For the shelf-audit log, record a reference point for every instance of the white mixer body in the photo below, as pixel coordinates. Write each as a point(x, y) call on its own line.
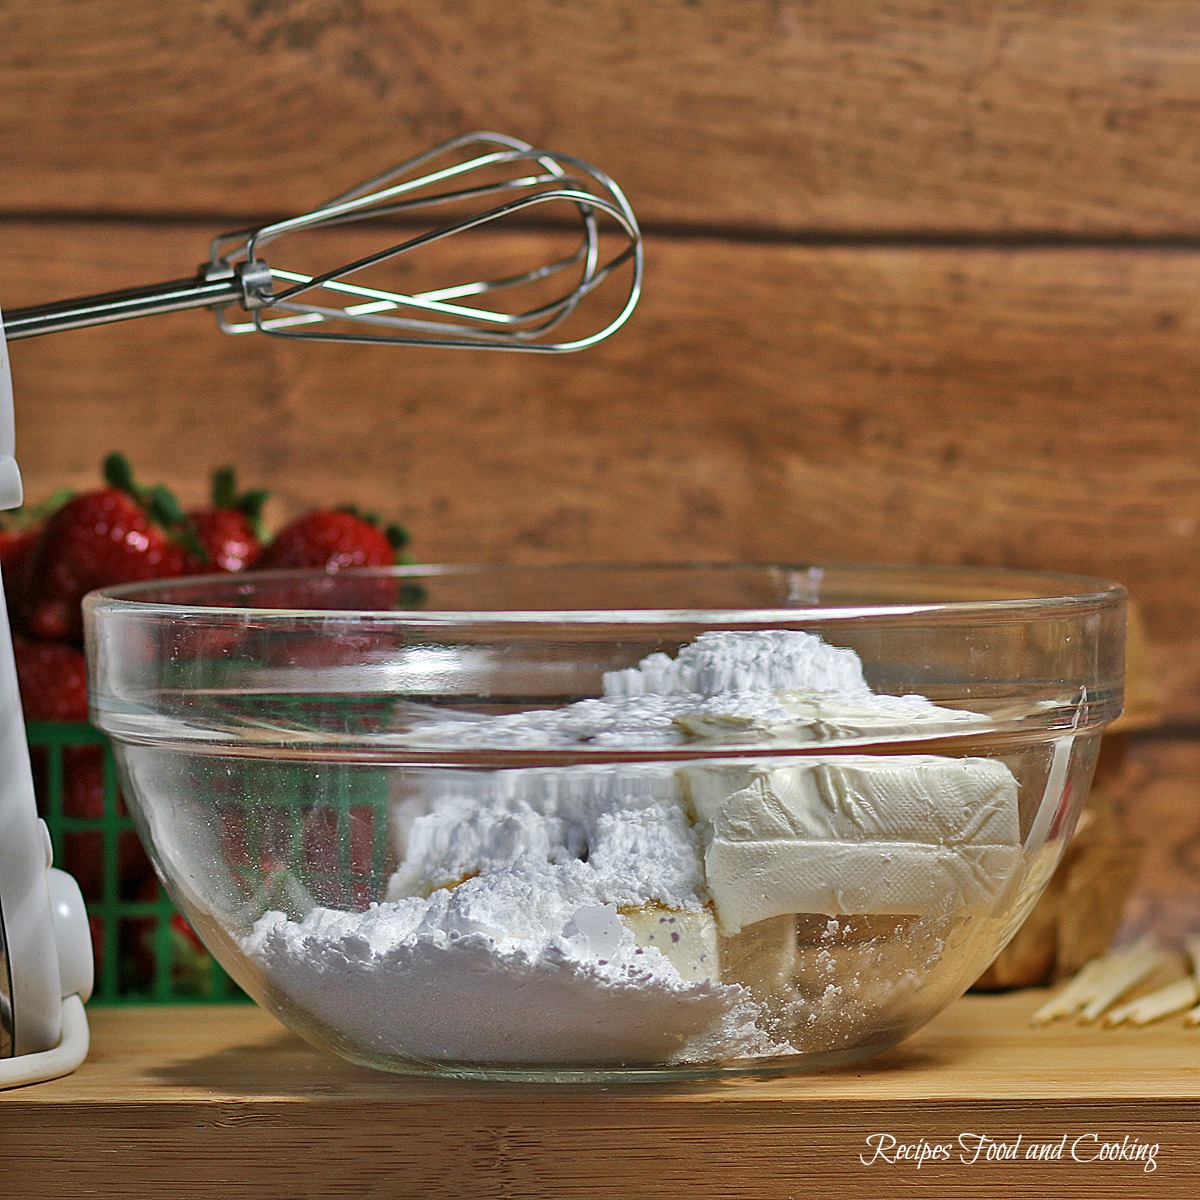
point(45, 948)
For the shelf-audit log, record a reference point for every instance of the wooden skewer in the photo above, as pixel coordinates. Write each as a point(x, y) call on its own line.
point(1140, 961)
point(1072, 997)
point(1173, 998)
point(1193, 949)
point(1102, 981)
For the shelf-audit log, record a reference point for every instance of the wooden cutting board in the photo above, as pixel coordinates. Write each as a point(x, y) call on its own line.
point(223, 1102)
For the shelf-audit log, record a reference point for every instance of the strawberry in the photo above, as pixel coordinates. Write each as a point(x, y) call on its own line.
point(96, 929)
point(15, 545)
point(336, 539)
point(19, 532)
point(85, 804)
point(116, 534)
point(188, 963)
point(333, 539)
point(191, 966)
point(230, 532)
point(83, 852)
point(52, 678)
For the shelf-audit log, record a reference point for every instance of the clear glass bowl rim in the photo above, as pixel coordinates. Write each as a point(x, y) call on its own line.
point(1061, 594)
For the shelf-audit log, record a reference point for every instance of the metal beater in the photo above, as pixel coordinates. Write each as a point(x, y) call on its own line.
point(464, 177)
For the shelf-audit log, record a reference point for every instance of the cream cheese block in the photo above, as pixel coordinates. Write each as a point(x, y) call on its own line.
point(855, 834)
point(807, 716)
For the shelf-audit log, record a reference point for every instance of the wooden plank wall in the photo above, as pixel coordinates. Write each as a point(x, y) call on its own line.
point(923, 285)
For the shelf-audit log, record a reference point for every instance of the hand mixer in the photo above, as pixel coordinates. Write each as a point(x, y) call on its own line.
point(473, 181)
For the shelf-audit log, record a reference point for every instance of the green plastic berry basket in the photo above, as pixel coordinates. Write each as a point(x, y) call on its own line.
point(144, 951)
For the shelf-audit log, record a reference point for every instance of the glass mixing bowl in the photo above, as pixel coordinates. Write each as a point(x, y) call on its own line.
point(606, 823)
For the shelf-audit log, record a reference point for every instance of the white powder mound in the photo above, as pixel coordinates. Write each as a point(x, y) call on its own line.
point(502, 940)
point(628, 822)
point(647, 721)
point(525, 966)
point(718, 663)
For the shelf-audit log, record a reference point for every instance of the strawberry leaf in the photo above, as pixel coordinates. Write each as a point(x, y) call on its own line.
point(412, 594)
point(161, 504)
point(224, 488)
point(119, 474)
point(250, 504)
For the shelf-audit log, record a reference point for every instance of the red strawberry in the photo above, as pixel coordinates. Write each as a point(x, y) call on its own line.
point(191, 965)
point(15, 550)
point(229, 542)
point(52, 678)
point(15, 544)
point(83, 799)
point(333, 539)
point(19, 532)
point(230, 533)
point(83, 783)
point(188, 963)
point(137, 941)
point(84, 802)
point(96, 928)
point(115, 534)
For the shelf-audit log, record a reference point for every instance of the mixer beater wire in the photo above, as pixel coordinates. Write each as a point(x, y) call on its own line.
point(476, 179)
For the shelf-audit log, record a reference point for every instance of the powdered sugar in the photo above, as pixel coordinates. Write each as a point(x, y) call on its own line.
point(628, 822)
point(721, 662)
point(526, 965)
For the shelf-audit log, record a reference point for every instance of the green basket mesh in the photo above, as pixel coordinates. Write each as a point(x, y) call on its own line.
point(144, 950)
point(327, 830)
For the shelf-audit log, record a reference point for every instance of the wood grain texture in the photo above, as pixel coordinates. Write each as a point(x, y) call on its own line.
point(201, 1102)
point(1158, 791)
point(1029, 408)
point(992, 116)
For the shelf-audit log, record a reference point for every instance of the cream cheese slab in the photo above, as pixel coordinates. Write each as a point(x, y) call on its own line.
point(806, 716)
point(855, 834)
